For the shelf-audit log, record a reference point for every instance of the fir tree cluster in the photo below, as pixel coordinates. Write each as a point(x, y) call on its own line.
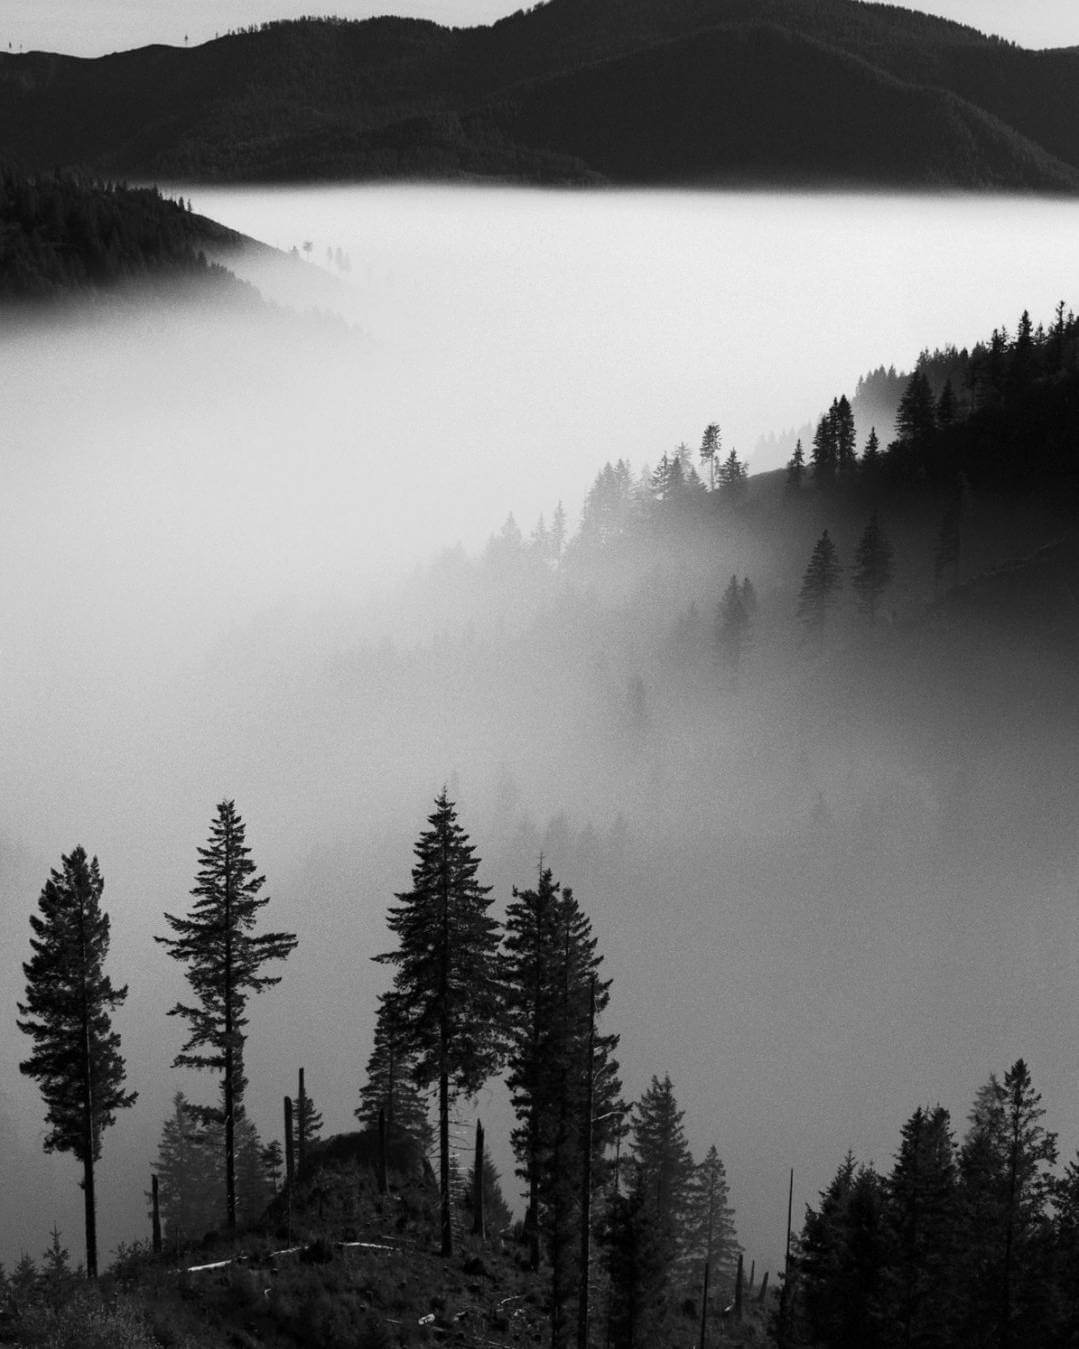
point(960, 1244)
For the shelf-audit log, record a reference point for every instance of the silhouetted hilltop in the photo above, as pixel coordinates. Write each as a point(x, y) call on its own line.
point(696, 90)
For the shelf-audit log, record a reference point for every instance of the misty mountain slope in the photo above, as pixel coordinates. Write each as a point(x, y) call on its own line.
point(62, 237)
point(389, 98)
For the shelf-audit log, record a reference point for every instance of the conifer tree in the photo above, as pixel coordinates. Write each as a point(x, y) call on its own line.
point(710, 1236)
point(946, 411)
point(307, 1123)
point(70, 999)
point(711, 444)
point(872, 568)
point(661, 1161)
point(921, 1227)
point(497, 1212)
point(389, 1087)
point(552, 966)
point(447, 985)
point(796, 469)
point(189, 1173)
point(273, 1164)
point(824, 454)
point(846, 455)
point(224, 961)
point(732, 628)
point(638, 1269)
point(1004, 1188)
point(732, 476)
point(748, 596)
point(842, 1260)
point(820, 585)
point(869, 465)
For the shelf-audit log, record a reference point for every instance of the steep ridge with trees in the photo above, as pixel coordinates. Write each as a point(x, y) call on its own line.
point(696, 91)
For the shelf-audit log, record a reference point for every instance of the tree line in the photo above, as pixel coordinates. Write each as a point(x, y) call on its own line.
point(470, 998)
point(962, 1243)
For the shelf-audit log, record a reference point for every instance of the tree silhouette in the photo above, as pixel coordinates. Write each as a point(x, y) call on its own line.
point(224, 961)
point(76, 1056)
point(447, 987)
point(872, 568)
point(819, 589)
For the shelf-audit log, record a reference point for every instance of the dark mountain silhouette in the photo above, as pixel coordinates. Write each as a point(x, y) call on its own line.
point(632, 91)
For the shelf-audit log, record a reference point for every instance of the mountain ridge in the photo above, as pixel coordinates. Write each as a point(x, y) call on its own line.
point(873, 95)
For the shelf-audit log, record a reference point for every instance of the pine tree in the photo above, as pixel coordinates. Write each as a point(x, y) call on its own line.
point(661, 1161)
point(824, 455)
point(224, 961)
point(841, 1262)
point(869, 465)
point(921, 1224)
point(552, 967)
point(447, 986)
point(748, 596)
point(307, 1122)
point(732, 476)
point(711, 445)
point(189, 1173)
point(846, 455)
point(732, 628)
point(796, 469)
point(946, 410)
point(872, 568)
point(1004, 1188)
point(710, 1236)
point(69, 1001)
point(389, 1087)
point(819, 589)
point(496, 1210)
point(638, 1268)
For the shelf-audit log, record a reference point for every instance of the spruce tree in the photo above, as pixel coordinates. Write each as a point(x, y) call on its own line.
point(638, 1265)
point(820, 585)
point(224, 960)
point(189, 1173)
point(69, 1003)
point(732, 476)
point(732, 628)
point(552, 966)
point(710, 448)
point(870, 462)
point(846, 455)
point(661, 1161)
point(824, 455)
point(921, 1218)
point(872, 568)
point(710, 1236)
point(447, 985)
point(389, 1088)
point(1004, 1188)
point(796, 469)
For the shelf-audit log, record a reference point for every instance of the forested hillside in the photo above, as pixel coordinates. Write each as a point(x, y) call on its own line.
point(699, 91)
point(67, 236)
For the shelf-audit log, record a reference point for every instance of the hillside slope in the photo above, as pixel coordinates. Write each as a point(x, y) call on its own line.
point(631, 90)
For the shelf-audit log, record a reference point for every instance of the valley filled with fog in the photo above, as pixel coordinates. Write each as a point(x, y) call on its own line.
point(244, 554)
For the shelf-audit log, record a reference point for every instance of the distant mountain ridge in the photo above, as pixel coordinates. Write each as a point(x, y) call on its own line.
point(627, 91)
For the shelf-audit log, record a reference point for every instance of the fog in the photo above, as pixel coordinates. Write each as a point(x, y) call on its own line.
point(222, 574)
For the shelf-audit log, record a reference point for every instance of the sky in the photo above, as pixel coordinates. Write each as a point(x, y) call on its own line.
point(93, 27)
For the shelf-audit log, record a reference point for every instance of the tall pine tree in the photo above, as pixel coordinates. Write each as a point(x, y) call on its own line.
point(447, 984)
point(552, 966)
point(224, 960)
point(820, 586)
point(69, 1003)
